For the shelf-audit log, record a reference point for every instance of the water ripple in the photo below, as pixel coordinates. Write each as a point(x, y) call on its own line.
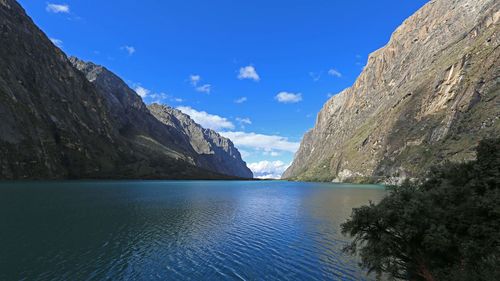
point(177, 231)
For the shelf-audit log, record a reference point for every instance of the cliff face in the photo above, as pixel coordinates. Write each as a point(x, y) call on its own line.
point(428, 96)
point(215, 151)
point(56, 124)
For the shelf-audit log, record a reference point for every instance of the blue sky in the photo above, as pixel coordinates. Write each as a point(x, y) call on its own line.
point(256, 71)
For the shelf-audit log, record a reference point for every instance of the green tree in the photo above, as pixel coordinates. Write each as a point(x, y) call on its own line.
point(446, 227)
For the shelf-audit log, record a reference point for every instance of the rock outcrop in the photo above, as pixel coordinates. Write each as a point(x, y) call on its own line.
point(428, 96)
point(215, 151)
point(60, 121)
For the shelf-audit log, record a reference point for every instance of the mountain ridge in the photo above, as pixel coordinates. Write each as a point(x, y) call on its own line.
point(61, 123)
point(214, 149)
point(209, 151)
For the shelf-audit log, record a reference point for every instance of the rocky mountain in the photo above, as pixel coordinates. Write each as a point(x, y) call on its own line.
point(428, 96)
point(206, 148)
point(216, 152)
point(63, 118)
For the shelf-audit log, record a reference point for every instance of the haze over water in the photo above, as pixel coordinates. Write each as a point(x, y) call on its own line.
point(189, 230)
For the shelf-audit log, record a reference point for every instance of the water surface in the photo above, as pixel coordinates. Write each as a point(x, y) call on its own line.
point(178, 230)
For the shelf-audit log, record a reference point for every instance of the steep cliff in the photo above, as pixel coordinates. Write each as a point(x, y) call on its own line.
point(56, 124)
point(428, 96)
point(216, 152)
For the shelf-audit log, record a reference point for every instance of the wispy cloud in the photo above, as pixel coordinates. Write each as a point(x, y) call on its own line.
point(286, 97)
point(206, 120)
point(316, 76)
point(57, 8)
point(129, 49)
point(244, 120)
point(149, 96)
point(248, 72)
point(335, 73)
point(158, 97)
point(57, 42)
point(194, 80)
point(241, 100)
point(142, 92)
point(268, 169)
point(262, 142)
point(206, 88)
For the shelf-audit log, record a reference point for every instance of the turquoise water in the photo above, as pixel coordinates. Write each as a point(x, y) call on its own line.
point(178, 230)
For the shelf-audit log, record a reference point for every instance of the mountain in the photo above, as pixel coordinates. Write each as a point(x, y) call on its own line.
point(170, 127)
point(427, 97)
point(63, 118)
point(216, 152)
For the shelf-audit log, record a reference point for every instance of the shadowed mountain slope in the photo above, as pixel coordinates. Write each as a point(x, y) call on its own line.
point(56, 124)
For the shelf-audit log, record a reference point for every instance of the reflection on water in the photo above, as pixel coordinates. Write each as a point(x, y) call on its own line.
point(157, 230)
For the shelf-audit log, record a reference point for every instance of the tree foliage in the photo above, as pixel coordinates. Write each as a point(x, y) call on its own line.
point(446, 227)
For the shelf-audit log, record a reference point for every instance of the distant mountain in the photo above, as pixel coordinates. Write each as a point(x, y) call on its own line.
point(205, 147)
point(216, 152)
point(428, 96)
point(63, 118)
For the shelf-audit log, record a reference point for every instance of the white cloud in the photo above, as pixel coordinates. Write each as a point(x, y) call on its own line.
point(271, 153)
point(261, 142)
point(204, 88)
point(149, 96)
point(268, 169)
point(57, 8)
point(158, 97)
point(248, 72)
point(129, 49)
point(142, 92)
point(206, 120)
point(194, 79)
point(286, 97)
point(335, 73)
point(241, 100)
point(244, 120)
point(57, 42)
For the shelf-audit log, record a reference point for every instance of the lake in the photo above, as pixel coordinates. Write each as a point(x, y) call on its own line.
point(178, 230)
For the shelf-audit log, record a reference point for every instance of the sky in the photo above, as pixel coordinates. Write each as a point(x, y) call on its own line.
point(257, 71)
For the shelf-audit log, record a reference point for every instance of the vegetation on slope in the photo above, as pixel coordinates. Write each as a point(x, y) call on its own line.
point(446, 227)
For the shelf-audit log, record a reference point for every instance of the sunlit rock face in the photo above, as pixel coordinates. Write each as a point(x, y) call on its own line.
point(428, 96)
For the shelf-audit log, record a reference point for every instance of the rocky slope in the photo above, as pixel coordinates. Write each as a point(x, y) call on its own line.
point(57, 124)
point(216, 152)
point(169, 126)
point(428, 96)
